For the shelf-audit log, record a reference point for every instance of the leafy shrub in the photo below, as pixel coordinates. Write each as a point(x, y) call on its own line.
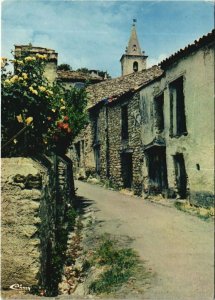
point(51, 114)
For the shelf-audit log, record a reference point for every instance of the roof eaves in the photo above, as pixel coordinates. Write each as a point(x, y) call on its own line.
point(204, 40)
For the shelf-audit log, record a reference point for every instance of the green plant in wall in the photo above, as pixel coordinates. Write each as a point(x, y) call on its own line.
point(49, 115)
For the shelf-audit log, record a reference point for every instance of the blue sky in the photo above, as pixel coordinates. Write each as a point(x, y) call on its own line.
point(94, 34)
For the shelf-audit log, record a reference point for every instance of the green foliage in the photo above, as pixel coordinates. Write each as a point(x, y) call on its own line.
point(52, 114)
point(71, 216)
point(64, 67)
point(83, 70)
point(100, 73)
point(120, 264)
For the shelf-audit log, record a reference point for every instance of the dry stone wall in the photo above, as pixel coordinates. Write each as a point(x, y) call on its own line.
point(35, 198)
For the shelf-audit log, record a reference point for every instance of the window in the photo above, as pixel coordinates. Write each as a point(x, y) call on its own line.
point(135, 66)
point(177, 108)
point(124, 112)
point(158, 113)
point(134, 47)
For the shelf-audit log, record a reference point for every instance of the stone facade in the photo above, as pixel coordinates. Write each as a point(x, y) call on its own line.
point(110, 146)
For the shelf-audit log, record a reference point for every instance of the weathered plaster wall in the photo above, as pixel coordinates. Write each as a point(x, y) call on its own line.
point(197, 146)
point(50, 71)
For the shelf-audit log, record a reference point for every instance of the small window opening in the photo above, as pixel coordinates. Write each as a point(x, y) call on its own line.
point(124, 116)
point(180, 175)
point(158, 113)
point(135, 66)
point(198, 167)
point(177, 108)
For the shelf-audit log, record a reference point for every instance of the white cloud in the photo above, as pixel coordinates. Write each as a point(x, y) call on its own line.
point(155, 61)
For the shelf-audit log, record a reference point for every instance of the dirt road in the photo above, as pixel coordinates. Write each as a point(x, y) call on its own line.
point(178, 247)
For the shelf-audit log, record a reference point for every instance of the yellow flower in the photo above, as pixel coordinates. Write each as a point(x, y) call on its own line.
point(49, 92)
point(21, 79)
point(63, 107)
point(24, 75)
point(54, 110)
point(7, 81)
point(35, 92)
point(30, 58)
point(40, 56)
point(19, 119)
point(15, 141)
point(42, 88)
point(14, 78)
point(62, 101)
point(29, 120)
point(20, 62)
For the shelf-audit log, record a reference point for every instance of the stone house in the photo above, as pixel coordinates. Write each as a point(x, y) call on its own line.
point(77, 79)
point(177, 132)
point(110, 146)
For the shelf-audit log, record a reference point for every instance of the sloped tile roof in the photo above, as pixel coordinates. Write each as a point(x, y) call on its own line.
point(111, 89)
point(77, 76)
point(204, 40)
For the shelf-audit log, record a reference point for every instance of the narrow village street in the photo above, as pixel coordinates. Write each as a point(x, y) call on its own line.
point(176, 246)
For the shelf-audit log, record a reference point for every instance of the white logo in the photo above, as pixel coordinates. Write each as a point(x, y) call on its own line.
point(18, 286)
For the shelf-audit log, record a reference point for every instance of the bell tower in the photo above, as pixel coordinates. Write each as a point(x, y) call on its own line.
point(133, 60)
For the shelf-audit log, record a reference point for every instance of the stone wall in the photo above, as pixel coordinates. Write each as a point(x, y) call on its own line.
point(35, 198)
point(110, 143)
point(21, 195)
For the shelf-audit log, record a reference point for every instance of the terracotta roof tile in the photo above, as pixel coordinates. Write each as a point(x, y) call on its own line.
point(111, 89)
point(204, 40)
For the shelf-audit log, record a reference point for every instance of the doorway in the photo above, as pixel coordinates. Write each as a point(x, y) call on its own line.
point(127, 169)
point(180, 175)
point(157, 170)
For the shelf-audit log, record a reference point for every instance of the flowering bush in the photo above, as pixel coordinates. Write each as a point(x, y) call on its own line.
point(52, 114)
